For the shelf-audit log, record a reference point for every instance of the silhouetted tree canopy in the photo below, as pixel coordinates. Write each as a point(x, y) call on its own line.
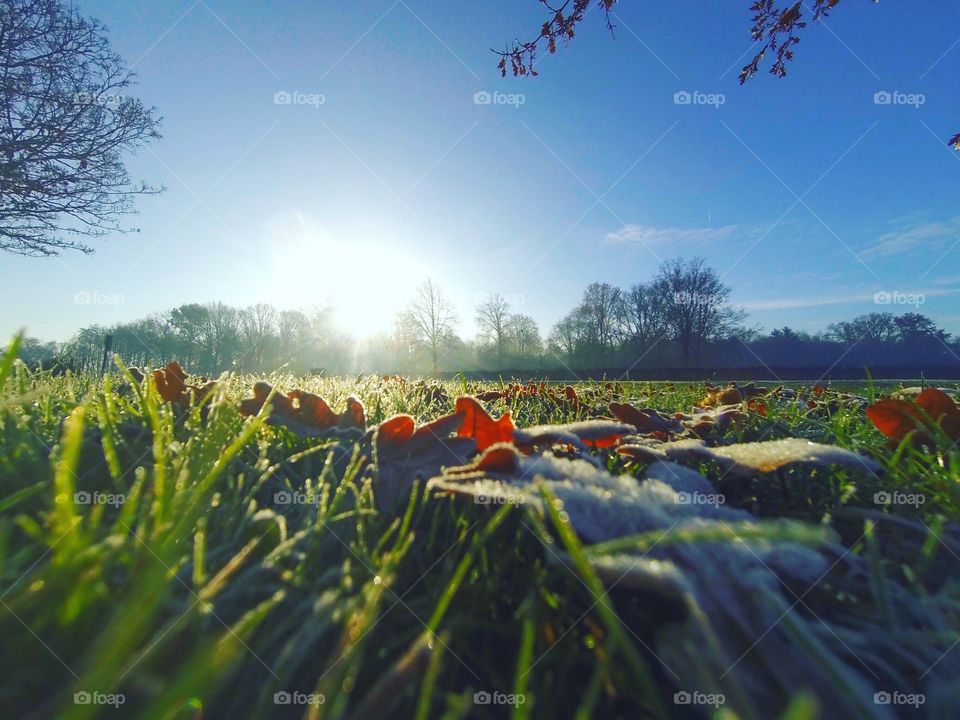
point(66, 121)
point(213, 337)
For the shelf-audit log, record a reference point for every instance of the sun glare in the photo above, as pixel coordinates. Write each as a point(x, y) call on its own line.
point(365, 280)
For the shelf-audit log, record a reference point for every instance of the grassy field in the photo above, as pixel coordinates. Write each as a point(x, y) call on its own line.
point(154, 566)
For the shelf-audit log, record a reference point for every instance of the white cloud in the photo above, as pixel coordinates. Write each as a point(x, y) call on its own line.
point(644, 235)
point(902, 241)
point(796, 303)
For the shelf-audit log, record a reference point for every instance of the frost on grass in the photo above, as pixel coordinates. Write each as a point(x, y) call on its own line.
point(752, 458)
point(735, 581)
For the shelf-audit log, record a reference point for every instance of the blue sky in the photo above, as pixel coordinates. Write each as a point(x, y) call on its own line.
point(806, 195)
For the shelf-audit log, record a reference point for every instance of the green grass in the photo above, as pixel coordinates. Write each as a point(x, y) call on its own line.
point(198, 596)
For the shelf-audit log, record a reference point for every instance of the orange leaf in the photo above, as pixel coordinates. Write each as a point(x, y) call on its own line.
point(314, 409)
point(757, 405)
point(478, 424)
point(304, 412)
point(722, 396)
point(896, 418)
point(394, 432)
point(171, 381)
point(644, 421)
point(353, 416)
point(490, 395)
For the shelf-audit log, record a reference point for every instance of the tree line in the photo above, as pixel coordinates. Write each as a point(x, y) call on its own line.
point(681, 318)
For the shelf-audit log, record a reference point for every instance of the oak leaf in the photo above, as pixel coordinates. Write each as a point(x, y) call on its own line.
point(479, 425)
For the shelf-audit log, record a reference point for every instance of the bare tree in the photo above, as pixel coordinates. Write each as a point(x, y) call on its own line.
point(222, 334)
point(493, 315)
point(258, 328)
point(643, 319)
point(293, 336)
point(695, 304)
point(66, 120)
point(566, 336)
point(433, 316)
point(524, 336)
point(600, 313)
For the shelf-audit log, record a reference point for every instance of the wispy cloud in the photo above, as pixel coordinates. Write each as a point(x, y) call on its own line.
point(645, 235)
point(902, 241)
point(841, 299)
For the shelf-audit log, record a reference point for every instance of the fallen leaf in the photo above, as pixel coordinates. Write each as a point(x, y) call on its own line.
point(171, 384)
point(747, 459)
point(645, 421)
point(406, 453)
point(758, 406)
point(897, 418)
point(479, 425)
point(171, 381)
point(595, 433)
point(306, 414)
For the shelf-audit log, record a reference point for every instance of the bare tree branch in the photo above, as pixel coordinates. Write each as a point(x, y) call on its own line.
point(65, 121)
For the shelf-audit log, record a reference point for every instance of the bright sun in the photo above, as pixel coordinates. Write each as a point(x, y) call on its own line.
point(366, 281)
